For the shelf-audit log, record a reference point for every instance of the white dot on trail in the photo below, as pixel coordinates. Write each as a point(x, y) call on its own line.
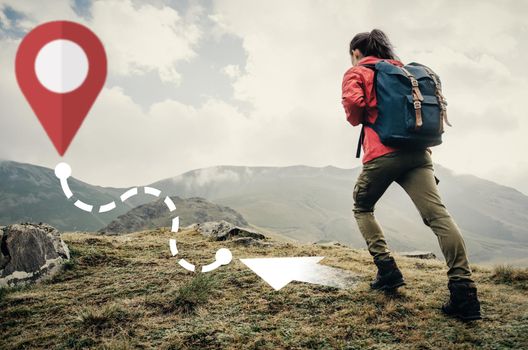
point(62, 171)
point(61, 66)
point(223, 256)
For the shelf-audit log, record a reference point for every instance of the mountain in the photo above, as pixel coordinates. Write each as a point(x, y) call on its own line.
point(300, 202)
point(155, 214)
point(32, 193)
point(312, 204)
point(127, 292)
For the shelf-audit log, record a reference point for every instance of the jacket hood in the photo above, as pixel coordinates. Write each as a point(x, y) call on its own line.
point(374, 59)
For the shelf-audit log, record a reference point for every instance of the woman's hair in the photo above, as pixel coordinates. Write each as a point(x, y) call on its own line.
point(376, 43)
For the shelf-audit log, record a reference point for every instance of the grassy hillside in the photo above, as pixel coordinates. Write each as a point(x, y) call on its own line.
point(125, 292)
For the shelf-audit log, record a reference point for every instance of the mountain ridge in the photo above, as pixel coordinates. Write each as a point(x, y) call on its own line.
point(302, 203)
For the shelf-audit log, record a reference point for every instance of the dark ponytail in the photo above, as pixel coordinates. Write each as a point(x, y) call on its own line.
point(376, 43)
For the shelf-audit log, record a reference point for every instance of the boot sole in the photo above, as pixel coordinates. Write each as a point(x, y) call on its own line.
point(467, 318)
point(470, 318)
point(462, 317)
point(389, 287)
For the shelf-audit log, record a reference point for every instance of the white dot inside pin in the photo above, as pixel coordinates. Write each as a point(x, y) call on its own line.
point(61, 66)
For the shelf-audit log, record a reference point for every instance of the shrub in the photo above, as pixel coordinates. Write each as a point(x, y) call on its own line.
point(510, 275)
point(99, 319)
point(192, 294)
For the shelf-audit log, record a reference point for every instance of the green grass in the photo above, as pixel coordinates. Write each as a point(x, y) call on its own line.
point(3, 293)
point(108, 317)
point(127, 292)
point(192, 294)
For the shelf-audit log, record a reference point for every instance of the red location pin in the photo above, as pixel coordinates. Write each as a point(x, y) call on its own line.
point(61, 68)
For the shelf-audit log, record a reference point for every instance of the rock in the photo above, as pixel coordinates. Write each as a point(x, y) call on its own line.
point(191, 227)
point(249, 241)
point(419, 255)
point(222, 230)
point(29, 253)
point(156, 214)
point(328, 243)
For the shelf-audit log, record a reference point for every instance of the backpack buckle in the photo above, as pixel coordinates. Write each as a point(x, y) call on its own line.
point(417, 105)
point(414, 82)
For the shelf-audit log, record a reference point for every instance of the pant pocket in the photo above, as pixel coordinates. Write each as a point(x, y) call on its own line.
point(360, 191)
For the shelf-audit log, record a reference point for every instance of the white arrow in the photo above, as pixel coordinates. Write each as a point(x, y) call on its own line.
point(278, 272)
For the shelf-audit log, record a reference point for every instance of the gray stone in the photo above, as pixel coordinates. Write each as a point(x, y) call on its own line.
point(191, 227)
point(419, 255)
point(29, 253)
point(223, 230)
point(249, 241)
point(150, 216)
point(328, 243)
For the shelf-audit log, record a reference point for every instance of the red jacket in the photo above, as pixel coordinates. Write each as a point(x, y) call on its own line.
point(359, 101)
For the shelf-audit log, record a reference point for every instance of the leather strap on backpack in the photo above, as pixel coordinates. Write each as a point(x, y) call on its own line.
point(417, 97)
point(441, 99)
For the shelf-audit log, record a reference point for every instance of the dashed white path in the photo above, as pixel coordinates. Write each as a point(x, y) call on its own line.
point(223, 255)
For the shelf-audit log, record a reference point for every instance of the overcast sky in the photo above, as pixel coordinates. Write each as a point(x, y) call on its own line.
point(196, 84)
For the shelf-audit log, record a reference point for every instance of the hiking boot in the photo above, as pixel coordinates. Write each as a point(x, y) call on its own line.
point(463, 302)
point(389, 276)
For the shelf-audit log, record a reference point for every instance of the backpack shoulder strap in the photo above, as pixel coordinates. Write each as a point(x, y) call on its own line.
point(360, 141)
point(361, 138)
point(368, 65)
point(362, 133)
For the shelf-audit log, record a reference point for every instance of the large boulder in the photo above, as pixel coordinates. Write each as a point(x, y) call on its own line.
point(153, 215)
point(29, 253)
point(223, 230)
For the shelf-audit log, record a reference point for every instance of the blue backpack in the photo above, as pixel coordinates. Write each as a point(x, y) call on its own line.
point(411, 107)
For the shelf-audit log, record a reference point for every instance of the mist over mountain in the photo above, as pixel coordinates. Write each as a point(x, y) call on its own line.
point(313, 204)
point(300, 202)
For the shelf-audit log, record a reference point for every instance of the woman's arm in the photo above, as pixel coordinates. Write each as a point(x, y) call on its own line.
point(353, 96)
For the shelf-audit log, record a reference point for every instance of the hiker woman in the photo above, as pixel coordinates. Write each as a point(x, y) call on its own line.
point(411, 168)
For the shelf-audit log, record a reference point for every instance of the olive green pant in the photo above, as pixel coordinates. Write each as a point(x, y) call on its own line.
point(412, 170)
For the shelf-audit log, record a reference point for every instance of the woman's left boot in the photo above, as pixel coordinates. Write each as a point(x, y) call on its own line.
point(389, 276)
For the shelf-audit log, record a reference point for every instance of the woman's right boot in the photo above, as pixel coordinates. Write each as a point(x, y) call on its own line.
point(463, 301)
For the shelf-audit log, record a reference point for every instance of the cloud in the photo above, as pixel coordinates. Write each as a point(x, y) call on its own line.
point(137, 38)
point(144, 38)
point(215, 174)
point(295, 63)
point(296, 54)
point(33, 13)
point(232, 71)
point(5, 22)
